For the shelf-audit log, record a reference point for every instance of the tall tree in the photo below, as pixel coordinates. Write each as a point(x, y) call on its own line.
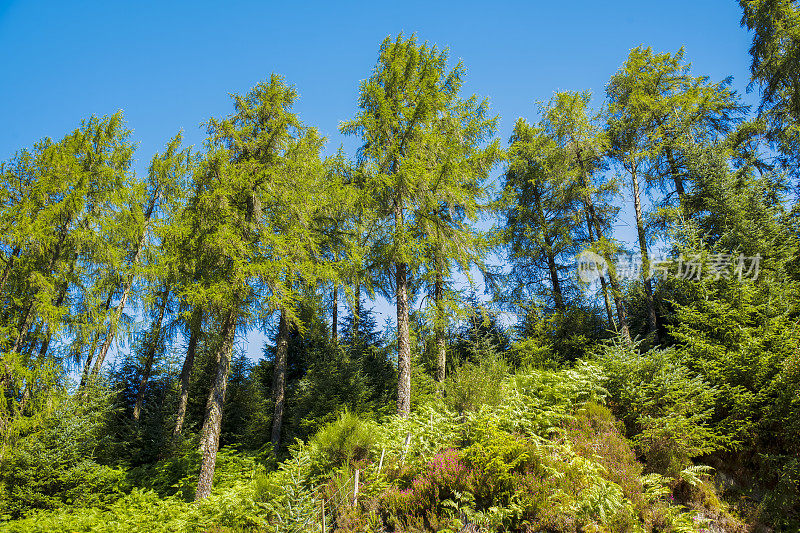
point(539, 228)
point(568, 119)
point(251, 230)
point(775, 54)
point(403, 108)
point(462, 154)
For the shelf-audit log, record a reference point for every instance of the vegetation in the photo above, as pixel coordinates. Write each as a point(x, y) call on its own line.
point(664, 398)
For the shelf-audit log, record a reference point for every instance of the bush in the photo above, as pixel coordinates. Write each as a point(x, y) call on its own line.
point(472, 385)
point(347, 441)
point(51, 463)
point(666, 407)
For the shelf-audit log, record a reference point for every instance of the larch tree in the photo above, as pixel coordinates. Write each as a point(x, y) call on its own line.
point(775, 55)
point(579, 133)
point(404, 106)
point(462, 154)
point(256, 197)
point(631, 146)
point(539, 230)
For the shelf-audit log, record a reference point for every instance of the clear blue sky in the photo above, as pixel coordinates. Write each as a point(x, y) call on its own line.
point(171, 65)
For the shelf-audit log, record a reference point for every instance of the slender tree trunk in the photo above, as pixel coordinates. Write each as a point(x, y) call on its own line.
point(186, 371)
point(676, 176)
point(335, 310)
point(357, 306)
point(112, 327)
point(558, 297)
point(279, 379)
point(9, 266)
point(648, 288)
point(603, 282)
point(441, 343)
point(403, 330)
point(23, 329)
point(155, 337)
point(553, 268)
point(87, 366)
point(209, 439)
point(613, 281)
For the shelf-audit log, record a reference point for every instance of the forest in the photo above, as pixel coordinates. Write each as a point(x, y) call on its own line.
point(539, 374)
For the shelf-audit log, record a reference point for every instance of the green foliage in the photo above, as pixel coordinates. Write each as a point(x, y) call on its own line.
point(474, 384)
point(550, 340)
point(52, 463)
point(666, 407)
point(347, 441)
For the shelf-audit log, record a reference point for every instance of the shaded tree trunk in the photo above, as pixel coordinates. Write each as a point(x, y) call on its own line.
point(335, 311)
point(648, 288)
point(676, 176)
point(441, 343)
point(87, 366)
point(552, 267)
point(616, 291)
point(152, 346)
point(357, 306)
point(9, 266)
point(603, 282)
point(279, 379)
point(209, 436)
point(186, 370)
point(23, 329)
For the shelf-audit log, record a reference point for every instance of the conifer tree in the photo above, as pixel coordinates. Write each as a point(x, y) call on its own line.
point(404, 107)
point(539, 228)
point(567, 119)
point(251, 233)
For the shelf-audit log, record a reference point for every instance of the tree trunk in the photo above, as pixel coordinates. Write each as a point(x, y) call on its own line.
point(676, 176)
point(186, 371)
point(558, 297)
point(441, 344)
point(403, 342)
point(616, 292)
point(9, 266)
point(112, 327)
point(335, 310)
point(209, 436)
point(155, 337)
point(279, 379)
point(403, 331)
point(648, 288)
point(357, 307)
point(23, 329)
point(603, 282)
point(90, 355)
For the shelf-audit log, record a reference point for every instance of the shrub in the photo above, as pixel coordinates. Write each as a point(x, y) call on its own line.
point(348, 440)
point(665, 406)
point(472, 385)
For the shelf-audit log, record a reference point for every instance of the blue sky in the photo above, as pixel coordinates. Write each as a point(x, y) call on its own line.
point(171, 65)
